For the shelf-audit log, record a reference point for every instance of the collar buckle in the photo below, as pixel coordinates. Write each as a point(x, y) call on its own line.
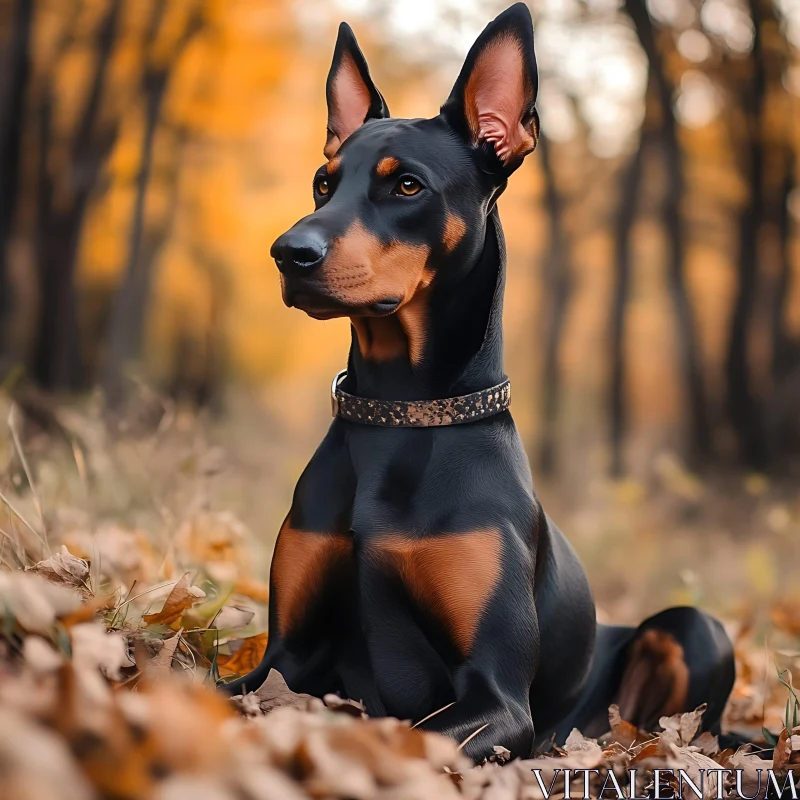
point(337, 379)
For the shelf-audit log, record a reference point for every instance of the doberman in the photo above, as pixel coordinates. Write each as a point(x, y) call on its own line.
point(416, 569)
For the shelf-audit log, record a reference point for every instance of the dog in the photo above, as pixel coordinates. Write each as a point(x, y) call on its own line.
point(416, 570)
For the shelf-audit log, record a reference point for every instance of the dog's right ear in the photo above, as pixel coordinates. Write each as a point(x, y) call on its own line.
point(493, 102)
point(352, 96)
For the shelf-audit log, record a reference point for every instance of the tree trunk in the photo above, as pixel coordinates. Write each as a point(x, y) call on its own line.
point(557, 280)
point(743, 406)
point(17, 71)
point(626, 217)
point(675, 228)
point(130, 301)
point(129, 308)
point(57, 359)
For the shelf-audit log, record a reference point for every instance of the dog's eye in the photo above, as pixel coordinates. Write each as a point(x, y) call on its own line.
point(407, 186)
point(321, 186)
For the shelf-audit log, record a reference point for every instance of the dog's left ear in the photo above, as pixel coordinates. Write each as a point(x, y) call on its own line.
point(352, 96)
point(493, 101)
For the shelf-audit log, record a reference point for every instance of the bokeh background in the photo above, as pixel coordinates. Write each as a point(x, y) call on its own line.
point(152, 150)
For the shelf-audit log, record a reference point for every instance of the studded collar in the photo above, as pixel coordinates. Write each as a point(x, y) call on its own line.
point(419, 413)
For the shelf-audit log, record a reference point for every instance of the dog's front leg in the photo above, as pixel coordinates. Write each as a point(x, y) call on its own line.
point(310, 672)
point(492, 685)
point(489, 710)
point(461, 604)
point(308, 571)
point(311, 569)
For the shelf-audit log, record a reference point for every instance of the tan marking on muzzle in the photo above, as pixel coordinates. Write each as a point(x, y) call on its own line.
point(333, 165)
point(361, 270)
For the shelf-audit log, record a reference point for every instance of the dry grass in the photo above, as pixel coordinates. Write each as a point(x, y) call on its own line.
point(132, 580)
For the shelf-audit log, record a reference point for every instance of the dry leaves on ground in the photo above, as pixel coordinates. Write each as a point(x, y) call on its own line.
point(105, 701)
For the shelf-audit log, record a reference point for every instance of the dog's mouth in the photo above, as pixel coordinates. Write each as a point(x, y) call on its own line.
point(322, 306)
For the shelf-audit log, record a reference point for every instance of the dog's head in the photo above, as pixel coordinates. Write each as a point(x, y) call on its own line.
point(402, 204)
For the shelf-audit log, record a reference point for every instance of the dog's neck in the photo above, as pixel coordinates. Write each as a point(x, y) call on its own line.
point(446, 341)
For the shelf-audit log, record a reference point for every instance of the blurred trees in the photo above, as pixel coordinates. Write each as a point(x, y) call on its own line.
point(106, 105)
point(664, 130)
point(742, 50)
point(151, 149)
point(13, 84)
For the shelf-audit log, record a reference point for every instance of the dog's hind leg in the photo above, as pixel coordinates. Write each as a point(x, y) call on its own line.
point(673, 662)
point(678, 660)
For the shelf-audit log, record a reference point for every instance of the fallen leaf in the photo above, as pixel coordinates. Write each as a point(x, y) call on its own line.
point(700, 769)
point(40, 656)
point(753, 773)
point(161, 664)
point(500, 755)
point(274, 693)
point(683, 726)
point(94, 648)
point(88, 610)
point(786, 617)
point(37, 763)
point(35, 602)
point(245, 659)
point(351, 707)
point(787, 750)
point(707, 744)
point(584, 752)
point(650, 750)
point(182, 596)
point(63, 568)
point(247, 704)
point(193, 787)
point(232, 617)
point(622, 731)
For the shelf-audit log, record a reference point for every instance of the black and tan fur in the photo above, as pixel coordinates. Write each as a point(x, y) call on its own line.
point(416, 567)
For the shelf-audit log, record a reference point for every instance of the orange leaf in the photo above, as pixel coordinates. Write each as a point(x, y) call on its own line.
point(182, 596)
point(245, 659)
point(622, 731)
point(88, 610)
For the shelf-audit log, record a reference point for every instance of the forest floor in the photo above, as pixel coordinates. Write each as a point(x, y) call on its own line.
point(132, 577)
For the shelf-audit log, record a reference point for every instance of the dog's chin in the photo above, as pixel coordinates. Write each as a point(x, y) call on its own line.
point(319, 306)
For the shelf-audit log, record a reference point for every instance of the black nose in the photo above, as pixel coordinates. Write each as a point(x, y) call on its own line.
point(299, 251)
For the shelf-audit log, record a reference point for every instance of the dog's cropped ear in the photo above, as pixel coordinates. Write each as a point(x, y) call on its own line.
point(493, 101)
point(352, 96)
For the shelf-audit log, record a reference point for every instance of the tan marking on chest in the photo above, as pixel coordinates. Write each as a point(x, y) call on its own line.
point(300, 565)
point(452, 576)
point(401, 334)
point(379, 338)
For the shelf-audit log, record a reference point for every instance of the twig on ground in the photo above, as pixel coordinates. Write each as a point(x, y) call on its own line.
point(18, 515)
point(433, 714)
point(24, 461)
point(473, 735)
